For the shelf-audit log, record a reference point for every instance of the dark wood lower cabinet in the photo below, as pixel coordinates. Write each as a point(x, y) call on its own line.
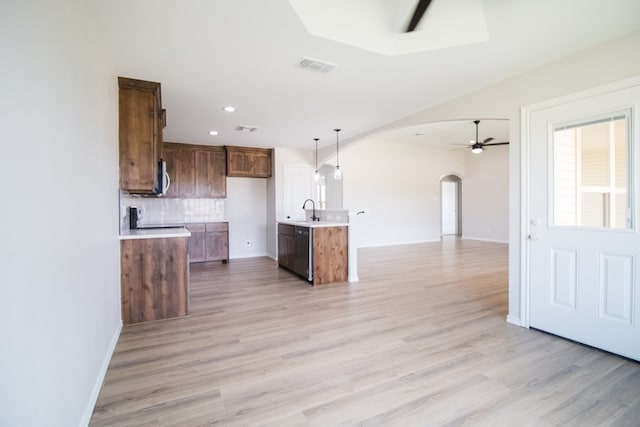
point(197, 242)
point(329, 254)
point(286, 245)
point(154, 278)
point(209, 242)
point(217, 242)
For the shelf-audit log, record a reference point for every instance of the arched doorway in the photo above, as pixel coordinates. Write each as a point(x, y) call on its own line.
point(451, 206)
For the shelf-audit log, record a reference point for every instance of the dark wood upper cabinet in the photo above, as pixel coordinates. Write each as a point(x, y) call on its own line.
point(141, 120)
point(249, 162)
point(196, 171)
point(211, 172)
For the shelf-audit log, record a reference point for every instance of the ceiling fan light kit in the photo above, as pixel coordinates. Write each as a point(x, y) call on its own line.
point(478, 147)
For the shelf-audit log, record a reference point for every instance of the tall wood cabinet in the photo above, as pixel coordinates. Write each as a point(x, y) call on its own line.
point(141, 120)
point(249, 162)
point(196, 171)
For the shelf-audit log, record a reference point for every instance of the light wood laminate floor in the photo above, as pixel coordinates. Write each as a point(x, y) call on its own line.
point(420, 340)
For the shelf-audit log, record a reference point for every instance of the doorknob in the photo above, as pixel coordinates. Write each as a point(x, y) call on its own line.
point(534, 237)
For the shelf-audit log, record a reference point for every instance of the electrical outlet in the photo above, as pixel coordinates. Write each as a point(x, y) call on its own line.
point(248, 244)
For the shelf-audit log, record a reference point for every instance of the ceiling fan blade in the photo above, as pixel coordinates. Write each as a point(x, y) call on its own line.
point(498, 143)
point(488, 140)
point(421, 8)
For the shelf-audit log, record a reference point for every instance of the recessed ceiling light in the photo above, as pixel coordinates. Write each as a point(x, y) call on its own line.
point(229, 109)
point(213, 132)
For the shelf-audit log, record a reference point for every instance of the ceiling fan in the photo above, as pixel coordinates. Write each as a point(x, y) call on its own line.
point(477, 147)
point(421, 8)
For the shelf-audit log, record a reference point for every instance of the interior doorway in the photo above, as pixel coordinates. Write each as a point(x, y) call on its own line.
point(450, 206)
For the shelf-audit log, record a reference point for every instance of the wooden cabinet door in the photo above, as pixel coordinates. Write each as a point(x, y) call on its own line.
point(141, 120)
point(181, 167)
point(138, 161)
point(217, 241)
point(196, 171)
point(249, 162)
point(197, 243)
point(211, 168)
point(185, 173)
point(286, 245)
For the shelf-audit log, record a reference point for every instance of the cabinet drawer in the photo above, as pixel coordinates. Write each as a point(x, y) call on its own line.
point(285, 229)
point(196, 228)
point(217, 226)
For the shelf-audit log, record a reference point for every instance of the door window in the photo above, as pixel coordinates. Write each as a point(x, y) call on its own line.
point(591, 174)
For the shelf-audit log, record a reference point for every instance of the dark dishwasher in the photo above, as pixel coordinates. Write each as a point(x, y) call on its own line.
point(301, 263)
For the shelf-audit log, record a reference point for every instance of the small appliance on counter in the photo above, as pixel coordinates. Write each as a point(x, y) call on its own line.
point(135, 216)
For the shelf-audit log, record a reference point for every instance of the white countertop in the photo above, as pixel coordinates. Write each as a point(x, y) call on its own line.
point(315, 224)
point(154, 233)
point(172, 223)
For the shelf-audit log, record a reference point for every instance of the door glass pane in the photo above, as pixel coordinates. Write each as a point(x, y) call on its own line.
point(590, 174)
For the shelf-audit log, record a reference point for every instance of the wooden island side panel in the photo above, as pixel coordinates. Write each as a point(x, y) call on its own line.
point(330, 255)
point(154, 279)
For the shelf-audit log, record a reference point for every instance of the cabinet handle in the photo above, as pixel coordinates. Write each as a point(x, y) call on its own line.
point(166, 174)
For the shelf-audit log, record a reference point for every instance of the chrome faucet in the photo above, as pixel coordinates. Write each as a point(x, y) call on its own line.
point(313, 204)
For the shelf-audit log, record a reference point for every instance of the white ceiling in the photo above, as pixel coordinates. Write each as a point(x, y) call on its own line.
point(448, 135)
point(212, 53)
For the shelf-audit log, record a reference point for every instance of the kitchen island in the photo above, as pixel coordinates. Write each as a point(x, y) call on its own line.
point(154, 274)
point(317, 251)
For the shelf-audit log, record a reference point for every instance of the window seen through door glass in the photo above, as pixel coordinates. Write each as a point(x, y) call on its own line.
point(591, 176)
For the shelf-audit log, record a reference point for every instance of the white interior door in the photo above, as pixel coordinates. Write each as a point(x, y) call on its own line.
point(449, 207)
point(296, 182)
point(584, 243)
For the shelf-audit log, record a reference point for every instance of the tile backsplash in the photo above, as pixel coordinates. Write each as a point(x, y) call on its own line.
point(329, 215)
point(162, 210)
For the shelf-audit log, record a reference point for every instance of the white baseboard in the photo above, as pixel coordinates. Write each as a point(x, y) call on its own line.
point(231, 258)
point(415, 242)
point(482, 239)
point(514, 320)
point(91, 404)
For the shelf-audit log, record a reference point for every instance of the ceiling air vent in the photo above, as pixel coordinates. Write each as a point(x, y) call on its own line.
point(315, 65)
point(243, 128)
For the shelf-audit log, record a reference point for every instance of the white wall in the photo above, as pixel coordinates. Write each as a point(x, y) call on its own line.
point(608, 62)
point(246, 209)
point(399, 186)
point(485, 195)
point(60, 275)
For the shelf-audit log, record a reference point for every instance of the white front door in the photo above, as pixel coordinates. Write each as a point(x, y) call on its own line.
point(584, 241)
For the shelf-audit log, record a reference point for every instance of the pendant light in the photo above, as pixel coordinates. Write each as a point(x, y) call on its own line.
point(338, 173)
point(316, 174)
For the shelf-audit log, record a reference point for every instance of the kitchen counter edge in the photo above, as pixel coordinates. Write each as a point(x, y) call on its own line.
point(311, 224)
point(155, 233)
